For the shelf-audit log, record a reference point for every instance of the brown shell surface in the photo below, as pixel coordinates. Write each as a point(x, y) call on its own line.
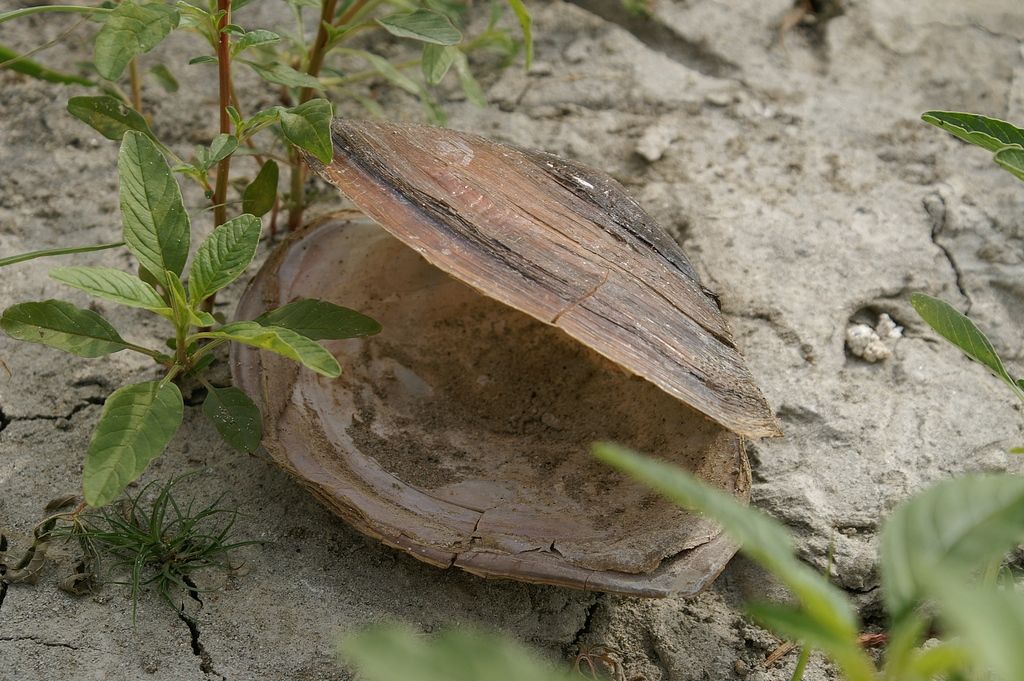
point(461, 433)
point(559, 241)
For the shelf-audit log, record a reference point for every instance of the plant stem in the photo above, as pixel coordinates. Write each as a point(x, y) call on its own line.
point(348, 14)
point(316, 62)
point(39, 9)
point(801, 664)
point(224, 80)
point(133, 74)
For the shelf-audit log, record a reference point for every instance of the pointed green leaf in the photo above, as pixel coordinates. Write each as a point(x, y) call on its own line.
point(164, 76)
point(136, 424)
point(63, 326)
point(988, 133)
point(156, 226)
point(956, 526)
point(386, 69)
point(109, 117)
point(437, 59)
point(960, 331)
point(469, 85)
point(797, 625)
point(112, 284)
point(282, 341)
point(223, 256)
point(129, 30)
point(222, 146)
point(260, 194)
point(308, 126)
point(235, 417)
point(202, 59)
point(320, 320)
point(282, 74)
point(51, 252)
point(394, 653)
point(423, 25)
point(990, 622)
point(258, 121)
point(526, 24)
point(1012, 160)
point(13, 61)
point(764, 540)
point(252, 39)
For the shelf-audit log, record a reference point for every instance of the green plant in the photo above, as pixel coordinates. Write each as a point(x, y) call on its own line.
point(139, 420)
point(302, 70)
point(931, 546)
point(1006, 141)
point(157, 544)
point(148, 540)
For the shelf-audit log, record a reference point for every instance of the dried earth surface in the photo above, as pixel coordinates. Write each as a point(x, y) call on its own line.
point(798, 177)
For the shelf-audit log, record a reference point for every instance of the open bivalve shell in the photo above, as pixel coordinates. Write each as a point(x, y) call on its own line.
point(530, 307)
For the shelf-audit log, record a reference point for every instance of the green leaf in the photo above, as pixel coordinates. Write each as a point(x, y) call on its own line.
point(109, 117)
point(136, 424)
point(281, 74)
point(252, 39)
point(282, 341)
point(423, 25)
point(202, 59)
point(223, 256)
point(1012, 160)
point(393, 653)
point(988, 133)
point(259, 195)
point(235, 417)
point(111, 284)
point(526, 24)
point(469, 85)
point(63, 326)
point(258, 121)
point(129, 30)
point(308, 126)
point(13, 61)
point(437, 59)
point(222, 146)
point(320, 320)
point(797, 625)
point(960, 331)
point(156, 226)
point(164, 76)
point(764, 540)
point(955, 526)
point(990, 621)
point(51, 252)
point(386, 69)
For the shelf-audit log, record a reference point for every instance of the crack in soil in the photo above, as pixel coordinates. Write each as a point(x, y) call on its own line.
point(48, 644)
point(87, 402)
point(588, 621)
point(935, 206)
point(205, 659)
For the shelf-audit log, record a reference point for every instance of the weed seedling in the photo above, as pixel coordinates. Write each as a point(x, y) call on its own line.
point(155, 544)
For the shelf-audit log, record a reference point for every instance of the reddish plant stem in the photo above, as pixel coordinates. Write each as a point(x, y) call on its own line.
point(316, 62)
point(136, 82)
point(220, 193)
